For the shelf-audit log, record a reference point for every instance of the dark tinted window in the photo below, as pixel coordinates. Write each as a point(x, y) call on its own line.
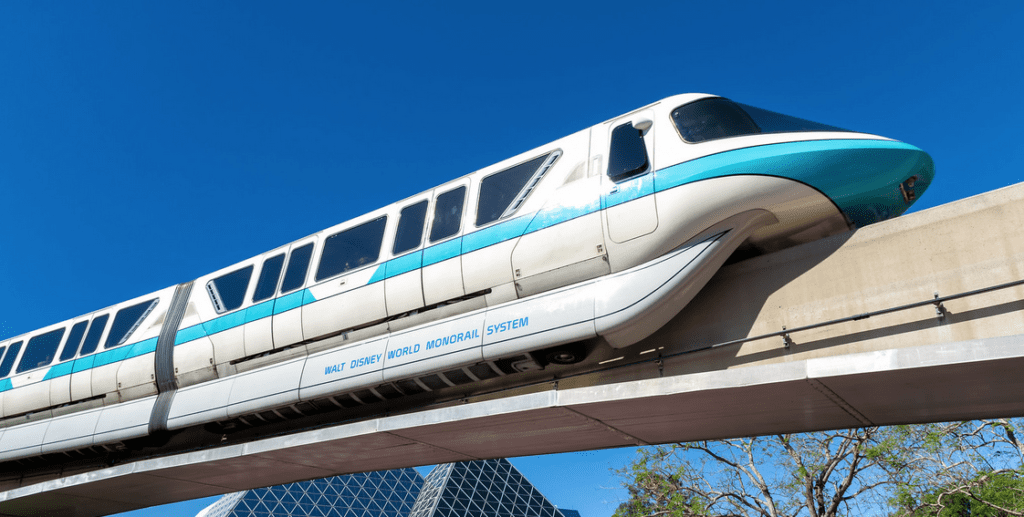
point(410, 227)
point(227, 292)
point(126, 321)
point(74, 339)
point(267, 283)
point(711, 119)
point(40, 350)
point(295, 275)
point(714, 118)
point(8, 363)
point(92, 339)
point(447, 214)
point(772, 122)
point(351, 248)
point(627, 153)
point(500, 190)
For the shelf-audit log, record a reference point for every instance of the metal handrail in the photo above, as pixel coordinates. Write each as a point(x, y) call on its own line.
point(937, 302)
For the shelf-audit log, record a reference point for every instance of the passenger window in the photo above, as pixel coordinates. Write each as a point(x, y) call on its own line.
point(126, 321)
point(92, 339)
point(8, 363)
point(627, 154)
point(298, 265)
point(228, 291)
point(503, 192)
point(410, 227)
point(40, 350)
point(74, 339)
point(447, 214)
point(267, 283)
point(351, 249)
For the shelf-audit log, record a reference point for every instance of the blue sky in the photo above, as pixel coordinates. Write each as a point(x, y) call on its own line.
point(143, 144)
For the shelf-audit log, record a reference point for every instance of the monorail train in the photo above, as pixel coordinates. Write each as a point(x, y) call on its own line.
point(599, 237)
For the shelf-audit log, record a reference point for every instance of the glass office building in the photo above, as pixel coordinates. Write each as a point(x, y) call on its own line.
point(486, 488)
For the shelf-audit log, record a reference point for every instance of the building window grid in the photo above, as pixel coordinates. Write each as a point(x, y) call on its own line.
point(473, 489)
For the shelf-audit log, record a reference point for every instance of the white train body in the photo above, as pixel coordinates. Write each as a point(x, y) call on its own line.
point(599, 237)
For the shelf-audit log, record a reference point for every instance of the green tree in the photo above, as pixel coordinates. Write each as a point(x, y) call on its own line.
point(987, 495)
point(908, 471)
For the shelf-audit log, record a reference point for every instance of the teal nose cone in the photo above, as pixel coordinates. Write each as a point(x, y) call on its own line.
point(870, 180)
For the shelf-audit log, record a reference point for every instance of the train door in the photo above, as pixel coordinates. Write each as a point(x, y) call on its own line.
point(258, 329)
point(212, 329)
point(442, 257)
point(342, 294)
point(403, 284)
point(624, 148)
point(287, 318)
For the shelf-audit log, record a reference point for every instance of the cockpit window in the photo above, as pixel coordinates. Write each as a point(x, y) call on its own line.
point(772, 122)
point(715, 118)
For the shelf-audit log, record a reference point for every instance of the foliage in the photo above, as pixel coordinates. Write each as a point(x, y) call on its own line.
point(951, 469)
point(987, 495)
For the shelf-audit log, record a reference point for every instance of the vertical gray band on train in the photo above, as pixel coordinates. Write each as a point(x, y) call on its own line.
point(164, 362)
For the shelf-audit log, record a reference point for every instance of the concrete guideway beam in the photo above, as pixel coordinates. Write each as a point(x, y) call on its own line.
point(929, 383)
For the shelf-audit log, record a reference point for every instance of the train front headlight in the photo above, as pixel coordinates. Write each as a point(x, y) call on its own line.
point(907, 189)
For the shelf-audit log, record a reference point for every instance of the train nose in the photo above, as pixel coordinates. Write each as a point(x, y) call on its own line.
point(874, 180)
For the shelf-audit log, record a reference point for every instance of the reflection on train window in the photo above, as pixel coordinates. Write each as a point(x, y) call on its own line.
point(410, 227)
point(269, 274)
point(8, 363)
point(352, 248)
point(502, 193)
point(74, 339)
point(95, 332)
point(772, 122)
point(227, 292)
point(447, 214)
point(627, 154)
point(40, 350)
point(126, 321)
point(298, 264)
point(715, 118)
point(92, 339)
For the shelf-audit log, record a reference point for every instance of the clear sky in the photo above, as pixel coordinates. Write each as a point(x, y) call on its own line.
point(144, 144)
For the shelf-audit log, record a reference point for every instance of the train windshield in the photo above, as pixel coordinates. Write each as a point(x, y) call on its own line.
point(715, 118)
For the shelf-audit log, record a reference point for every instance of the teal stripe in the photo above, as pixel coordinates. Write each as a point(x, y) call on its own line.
point(559, 214)
point(501, 232)
point(288, 302)
point(142, 348)
point(259, 311)
point(629, 190)
point(442, 252)
point(5, 385)
point(403, 264)
point(83, 363)
point(60, 370)
point(225, 322)
point(189, 334)
point(110, 356)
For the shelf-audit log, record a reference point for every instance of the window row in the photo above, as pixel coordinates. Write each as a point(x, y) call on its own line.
point(42, 348)
point(501, 194)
